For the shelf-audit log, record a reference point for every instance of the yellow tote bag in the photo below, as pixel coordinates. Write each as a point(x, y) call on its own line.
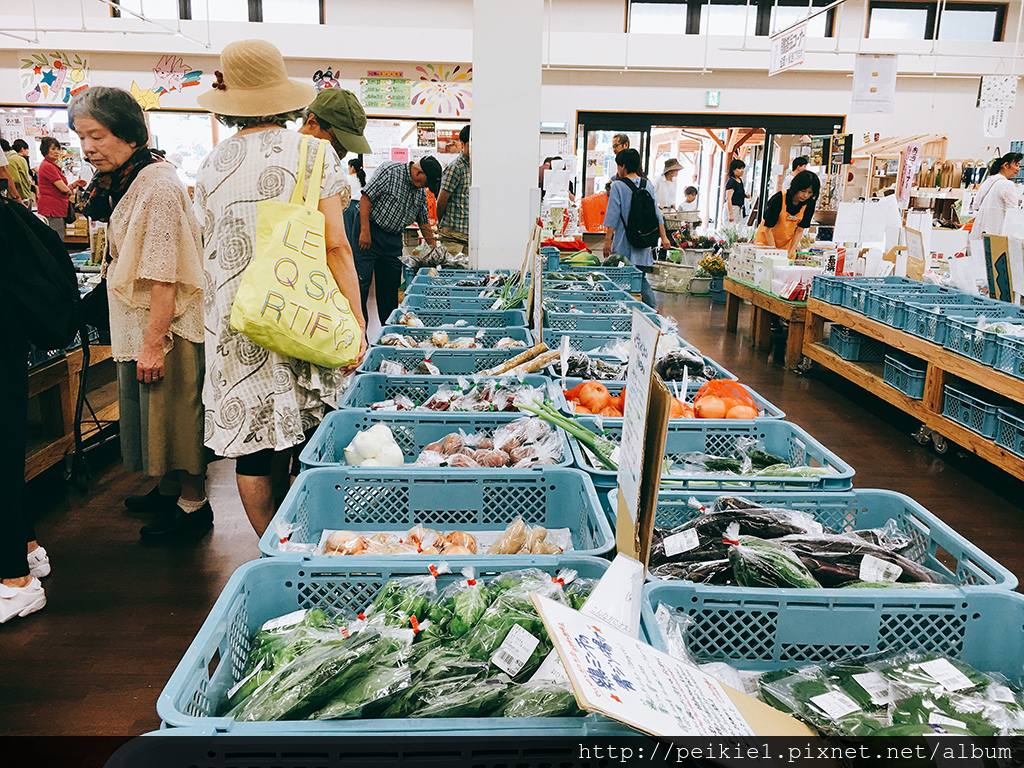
point(288, 300)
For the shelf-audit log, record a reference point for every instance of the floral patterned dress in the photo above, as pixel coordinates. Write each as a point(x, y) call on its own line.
point(254, 399)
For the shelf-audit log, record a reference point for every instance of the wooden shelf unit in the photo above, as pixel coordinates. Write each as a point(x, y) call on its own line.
point(56, 387)
point(941, 365)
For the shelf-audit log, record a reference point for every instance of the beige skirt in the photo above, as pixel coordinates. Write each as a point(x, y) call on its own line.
point(162, 424)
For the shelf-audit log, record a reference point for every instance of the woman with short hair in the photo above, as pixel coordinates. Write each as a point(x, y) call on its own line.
point(54, 190)
point(154, 285)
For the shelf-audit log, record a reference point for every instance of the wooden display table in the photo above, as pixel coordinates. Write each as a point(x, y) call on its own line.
point(764, 306)
point(941, 364)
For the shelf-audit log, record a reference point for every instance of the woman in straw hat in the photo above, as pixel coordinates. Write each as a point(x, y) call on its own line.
point(665, 186)
point(260, 405)
point(155, 292)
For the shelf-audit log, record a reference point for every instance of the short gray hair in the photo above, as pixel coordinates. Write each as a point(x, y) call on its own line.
point(242, 122)
point(115, 108)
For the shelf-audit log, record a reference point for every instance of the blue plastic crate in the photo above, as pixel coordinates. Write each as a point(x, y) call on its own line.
point(827, 288)
point(615, 387)
point(970, 411)
point(931, 321)
point(448, 361)
point(850, 345)
point(585, 342)
point(555, 302)
point(571, 322)
point(451, 304)
point(390, 500)
point(369, 388)
point(453, 276)
point(778, 629)
point(597, 286)
point(933, 543)
point(1010, 432)
point(965, 338)
point(486, 318)
point(37, 358)
point(627, 278)
point(886, 306)
point(719, 438)
point(551, 257)
point(413, 431)
point(456, 293)
point(855, 289)
point(1010, 356)
point(485, 337)
point(576, 297)
point(555, 369)
point(900, 374)
point(265, 589)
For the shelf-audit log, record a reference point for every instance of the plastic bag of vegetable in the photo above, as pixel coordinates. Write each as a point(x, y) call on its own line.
point(545, 699)
point(674, 626)
point(402, 600)
point(388, 672)
point(684, 361)
point(760, 563)
point(472, 698)
point(460, 605)
point(811, 696)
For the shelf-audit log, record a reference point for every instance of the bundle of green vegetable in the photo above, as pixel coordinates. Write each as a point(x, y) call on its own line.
point(468, 651)
point(602, 448)
point(894, 694)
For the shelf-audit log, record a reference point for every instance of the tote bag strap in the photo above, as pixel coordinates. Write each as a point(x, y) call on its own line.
point(300, 176)
point(312, 197)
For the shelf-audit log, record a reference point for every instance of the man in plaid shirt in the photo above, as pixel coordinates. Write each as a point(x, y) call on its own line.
point(453, 202)
point(392, 199)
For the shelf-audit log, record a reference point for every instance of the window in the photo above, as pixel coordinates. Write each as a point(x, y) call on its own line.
point(898, 20)
point(272, 11)
point(726, 17)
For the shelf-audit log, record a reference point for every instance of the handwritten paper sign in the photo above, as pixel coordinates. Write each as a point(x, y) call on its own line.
point(910, 159)
point(788, 50)
point(623, 678)
point(995, 122)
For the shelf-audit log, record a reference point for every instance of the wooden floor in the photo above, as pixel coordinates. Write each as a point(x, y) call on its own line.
point(121, 615)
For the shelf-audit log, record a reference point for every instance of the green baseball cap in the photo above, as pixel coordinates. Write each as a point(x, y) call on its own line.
point(342, 110)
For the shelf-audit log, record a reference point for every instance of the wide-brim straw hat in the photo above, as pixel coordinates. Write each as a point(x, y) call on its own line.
point(254, 83)
point(672, 165)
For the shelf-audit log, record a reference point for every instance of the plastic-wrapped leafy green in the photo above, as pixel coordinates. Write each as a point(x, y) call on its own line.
point(808, 694)
point(281, 639)
point(547, 699)
point(578, 590)
point(478, 698)
point(428, 687)
point(402, 599)
point(760, 563)
point(387, 672)
point(304, 685)
point(926, 709)
point(917, 672)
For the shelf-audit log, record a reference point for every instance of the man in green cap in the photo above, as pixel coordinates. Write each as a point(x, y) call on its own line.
point(337, 116)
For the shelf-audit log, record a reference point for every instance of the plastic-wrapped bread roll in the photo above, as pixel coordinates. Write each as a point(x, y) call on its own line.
point(516, 361)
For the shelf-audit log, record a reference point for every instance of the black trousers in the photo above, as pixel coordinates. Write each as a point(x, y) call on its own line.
point(18, 530)
point(380, 263)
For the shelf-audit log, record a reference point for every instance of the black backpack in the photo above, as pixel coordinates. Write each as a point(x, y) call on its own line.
point(642, 227)
point(40, 284)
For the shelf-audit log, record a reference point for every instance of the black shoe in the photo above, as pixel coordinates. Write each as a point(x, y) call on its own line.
point(153, 501)
point(175, 523)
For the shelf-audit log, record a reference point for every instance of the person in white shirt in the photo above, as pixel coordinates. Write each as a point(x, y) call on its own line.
point(996, 196)
point(689, 200)
point(800, 164)
point(665, 185)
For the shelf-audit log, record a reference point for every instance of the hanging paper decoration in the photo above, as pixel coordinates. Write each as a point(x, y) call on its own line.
point(324, 78)
point(444, 91)
point(170, 74)
point(53, 77)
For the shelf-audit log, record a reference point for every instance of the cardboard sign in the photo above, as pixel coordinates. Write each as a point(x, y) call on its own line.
point(998, 269)
point(538, 296)
point(915, 255)
point(644, 427)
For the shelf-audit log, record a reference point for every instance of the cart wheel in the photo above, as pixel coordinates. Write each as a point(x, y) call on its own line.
point(805, 365)
point(923, 435)
point(940, 443)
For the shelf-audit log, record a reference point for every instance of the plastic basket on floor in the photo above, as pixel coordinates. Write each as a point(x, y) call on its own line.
point(933, 543)
point(719, 438)
point(900, 374)
point(627, 278)
point(392, 501)
point(447, 361)
point(853, 346)
point(1010, 432)
point(509, 318)
point(768, 410)
point(416, 302)
point(369, 388)
point(802, 626)
point(886, 306)
point(265, 589)
point(413, 431)
point(965, 338)
point(486, 338)
point(970, 411)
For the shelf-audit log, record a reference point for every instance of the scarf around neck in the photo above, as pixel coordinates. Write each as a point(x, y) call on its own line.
point(107, 188)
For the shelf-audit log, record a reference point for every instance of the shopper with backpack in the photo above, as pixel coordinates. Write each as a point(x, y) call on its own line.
point(633, 224)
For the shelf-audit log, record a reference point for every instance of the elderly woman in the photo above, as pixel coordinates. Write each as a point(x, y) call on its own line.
point(154, 284)
point(260, 405)
point(54, 190)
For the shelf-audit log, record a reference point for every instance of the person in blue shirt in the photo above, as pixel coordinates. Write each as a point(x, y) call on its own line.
point(620, 197)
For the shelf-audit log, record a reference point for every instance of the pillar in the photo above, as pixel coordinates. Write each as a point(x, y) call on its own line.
point(507, 57)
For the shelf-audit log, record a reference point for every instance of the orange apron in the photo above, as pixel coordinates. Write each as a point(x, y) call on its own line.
point(784, 229)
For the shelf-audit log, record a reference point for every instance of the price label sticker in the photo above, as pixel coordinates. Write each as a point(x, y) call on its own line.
point(514, 651)
point(678, 543)
point(877, 570)
point(237, 686)
point(946, 675)
point(875, 685)
point(937, 719)
point(835, 704)
point(283, 622)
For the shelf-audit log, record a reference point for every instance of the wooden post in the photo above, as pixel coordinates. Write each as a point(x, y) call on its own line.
point(934, 388)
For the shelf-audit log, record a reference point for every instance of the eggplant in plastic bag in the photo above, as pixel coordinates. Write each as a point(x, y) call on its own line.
point(675, 363)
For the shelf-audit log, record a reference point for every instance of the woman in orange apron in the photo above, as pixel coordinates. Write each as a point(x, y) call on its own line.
point(789, 213)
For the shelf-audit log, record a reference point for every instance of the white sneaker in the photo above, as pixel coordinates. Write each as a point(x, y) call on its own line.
point(21, 601)
point(38, 563)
